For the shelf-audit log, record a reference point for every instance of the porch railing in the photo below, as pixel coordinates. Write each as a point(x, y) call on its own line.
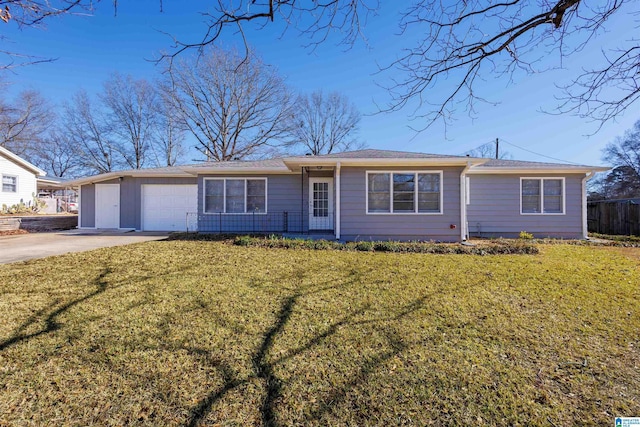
point(270, 222)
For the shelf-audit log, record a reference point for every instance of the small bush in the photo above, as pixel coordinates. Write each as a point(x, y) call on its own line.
point(526, 236)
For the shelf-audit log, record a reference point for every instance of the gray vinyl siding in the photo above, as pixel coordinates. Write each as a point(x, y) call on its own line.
point(285, 208)
point(494, 208)
point(356, 224)
point(130, 199)
point(87, 206)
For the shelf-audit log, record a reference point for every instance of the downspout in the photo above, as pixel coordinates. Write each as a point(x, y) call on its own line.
point(338, 201)
point(585, 223)
point(302, 199)
point(463, 202)
point(79, 200)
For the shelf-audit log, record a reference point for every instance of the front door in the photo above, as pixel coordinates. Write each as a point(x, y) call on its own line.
point(320, 203)
point(107, 205)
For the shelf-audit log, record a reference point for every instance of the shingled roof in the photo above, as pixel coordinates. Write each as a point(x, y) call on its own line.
point(520, 164)
point(368, 157)
point(378, 154)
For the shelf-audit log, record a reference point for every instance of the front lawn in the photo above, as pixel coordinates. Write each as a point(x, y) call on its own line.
point(207, 333)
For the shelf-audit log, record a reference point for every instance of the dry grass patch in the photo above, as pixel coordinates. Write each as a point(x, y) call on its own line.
point(199, 333)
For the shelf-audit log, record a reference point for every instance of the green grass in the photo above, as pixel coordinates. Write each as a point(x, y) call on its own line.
point(206, 333)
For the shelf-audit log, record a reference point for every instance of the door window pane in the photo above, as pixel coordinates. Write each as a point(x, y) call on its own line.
point(321, 199)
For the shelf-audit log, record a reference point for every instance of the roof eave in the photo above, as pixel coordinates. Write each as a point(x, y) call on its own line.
point(498, 171)
point(22, 162)
point(118, 174)
point(198, 170)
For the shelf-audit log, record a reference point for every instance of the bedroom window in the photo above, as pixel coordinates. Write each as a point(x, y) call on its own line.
point(404, 192)
point(9, 184)
point(542, 196)
point(235, 195)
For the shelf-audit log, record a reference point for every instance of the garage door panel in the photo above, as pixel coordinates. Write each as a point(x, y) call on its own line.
point(165, 207)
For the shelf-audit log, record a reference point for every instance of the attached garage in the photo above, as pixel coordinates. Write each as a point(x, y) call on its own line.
point(165, 207)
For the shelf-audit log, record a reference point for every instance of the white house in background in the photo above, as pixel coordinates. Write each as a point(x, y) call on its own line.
point(19, 179)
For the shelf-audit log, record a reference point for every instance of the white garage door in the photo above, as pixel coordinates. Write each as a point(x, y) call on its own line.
point(165, 207)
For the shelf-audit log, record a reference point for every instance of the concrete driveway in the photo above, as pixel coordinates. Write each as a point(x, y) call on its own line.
point(22, 247)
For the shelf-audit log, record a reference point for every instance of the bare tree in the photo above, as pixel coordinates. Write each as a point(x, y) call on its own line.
point(170, 134)
point(132, 116)
point(24, 123)
point(488, 151)
point(323, 124)
point(461, 43)
point(624, 155)
point(61, 157)
point(89, 132)
point(235, 106)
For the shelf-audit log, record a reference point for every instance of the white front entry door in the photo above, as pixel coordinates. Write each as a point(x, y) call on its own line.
point(107, 205)
point(320, 203)
point(165, 207)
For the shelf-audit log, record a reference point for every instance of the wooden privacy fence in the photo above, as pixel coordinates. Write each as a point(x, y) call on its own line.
point(622, 218)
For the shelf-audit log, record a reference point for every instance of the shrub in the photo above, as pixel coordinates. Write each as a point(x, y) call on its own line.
point(526, 236)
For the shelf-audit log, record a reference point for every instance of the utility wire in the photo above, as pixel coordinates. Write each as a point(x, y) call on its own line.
point(537, 154)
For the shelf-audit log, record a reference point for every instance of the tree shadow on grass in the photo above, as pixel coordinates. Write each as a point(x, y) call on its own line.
point(264, 369)
point(51, 319)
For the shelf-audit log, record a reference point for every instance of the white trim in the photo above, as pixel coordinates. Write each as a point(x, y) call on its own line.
point(22, 162)
point(542, 179)
point(224, 194)
point(337, 226)
point(415, 196)
point(317, 179)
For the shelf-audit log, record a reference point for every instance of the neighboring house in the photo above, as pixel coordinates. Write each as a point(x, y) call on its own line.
point(18, 179)
point(357, 195)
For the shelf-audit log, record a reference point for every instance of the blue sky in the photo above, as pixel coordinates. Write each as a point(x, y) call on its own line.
point(90, 48)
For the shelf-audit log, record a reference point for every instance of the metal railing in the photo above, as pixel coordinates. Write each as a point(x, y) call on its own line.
point(260, 223)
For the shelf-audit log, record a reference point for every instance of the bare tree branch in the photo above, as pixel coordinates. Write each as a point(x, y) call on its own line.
point(458, 45)
point(322, 124)
point(234, 106)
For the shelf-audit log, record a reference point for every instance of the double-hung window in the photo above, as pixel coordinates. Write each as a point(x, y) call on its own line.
point(542, 196)
point(235, 195)
point(9, 184)
point(404, 192)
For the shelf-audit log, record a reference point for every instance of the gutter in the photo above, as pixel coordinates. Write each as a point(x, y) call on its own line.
point(463, 202)
point(338, 201)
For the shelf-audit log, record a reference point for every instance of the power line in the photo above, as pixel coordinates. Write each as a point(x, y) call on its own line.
point(537, 154)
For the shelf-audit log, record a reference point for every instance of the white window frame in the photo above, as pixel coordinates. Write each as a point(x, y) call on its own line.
point(542, 179)
point(2, 183)
point(224, 195)
point(415, 195)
